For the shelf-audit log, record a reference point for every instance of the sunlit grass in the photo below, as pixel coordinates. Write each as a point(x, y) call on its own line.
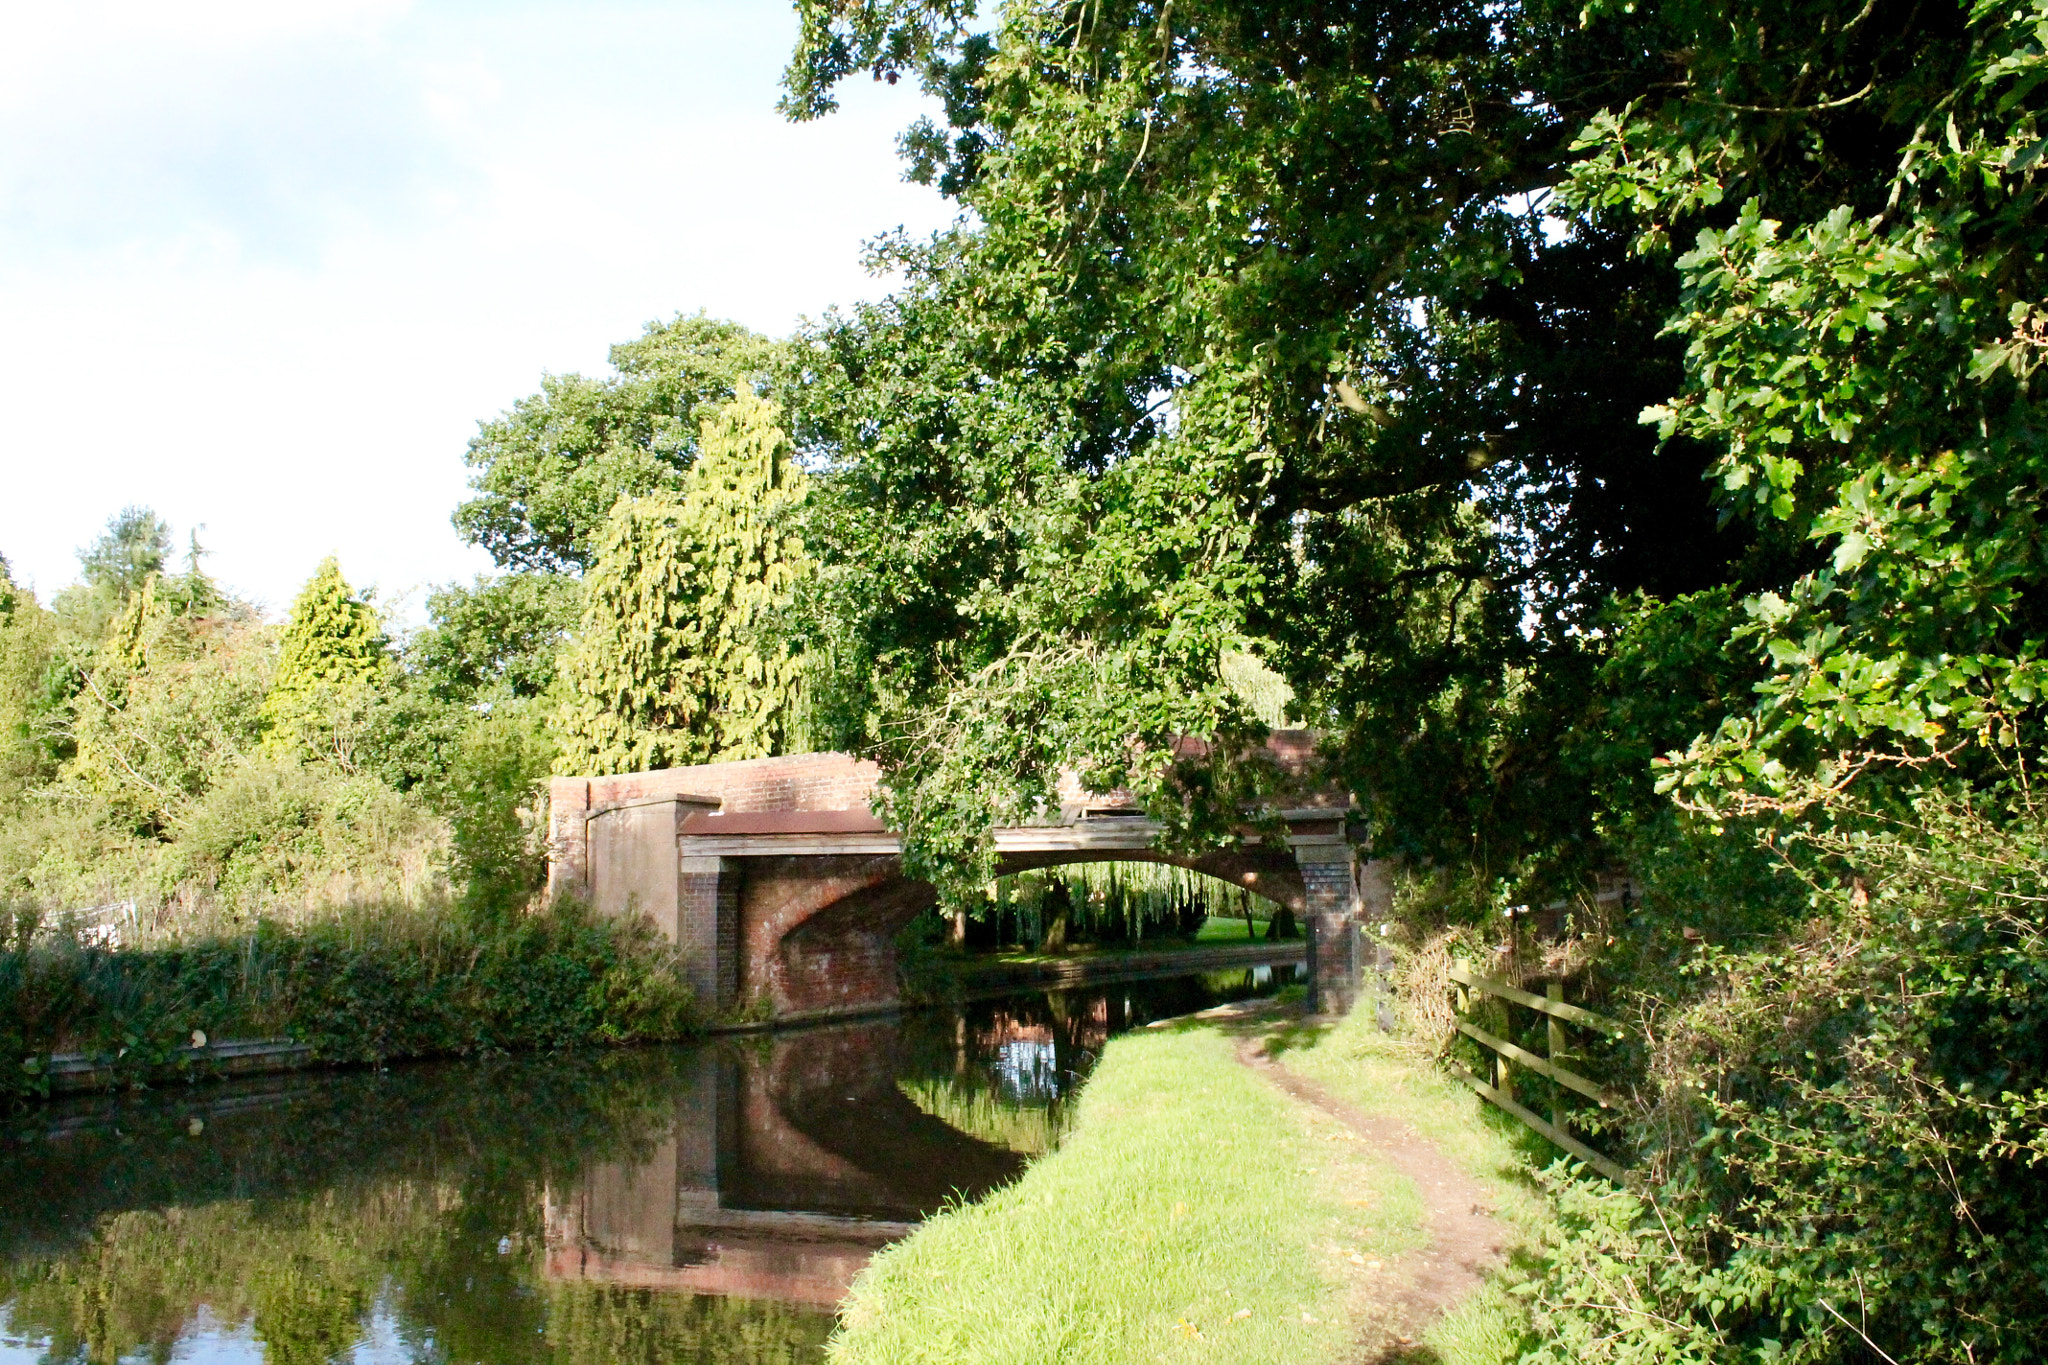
point(1226, 929)
point(1194, 1214)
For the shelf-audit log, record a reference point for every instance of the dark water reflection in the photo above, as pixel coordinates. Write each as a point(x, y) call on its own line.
point(704, 1204)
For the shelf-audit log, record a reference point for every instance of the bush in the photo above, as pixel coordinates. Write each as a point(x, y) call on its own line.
point(271, 831)
point(367, 986)
point(497, 782)
point(1846, 1123)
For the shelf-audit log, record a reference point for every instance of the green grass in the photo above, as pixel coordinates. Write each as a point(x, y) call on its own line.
point(1223, 929)
point(1195, 1213)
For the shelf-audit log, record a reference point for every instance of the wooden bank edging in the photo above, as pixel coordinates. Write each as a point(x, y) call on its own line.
point(72, 1072)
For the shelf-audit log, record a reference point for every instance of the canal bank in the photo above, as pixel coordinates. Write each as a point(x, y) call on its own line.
point(203, 1059)
point(972, 976)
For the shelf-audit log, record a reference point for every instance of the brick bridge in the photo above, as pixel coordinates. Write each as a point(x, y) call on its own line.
point(784, 893)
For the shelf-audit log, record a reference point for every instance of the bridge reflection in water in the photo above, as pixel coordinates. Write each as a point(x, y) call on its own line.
point(709, 1203)
point(792, 1159)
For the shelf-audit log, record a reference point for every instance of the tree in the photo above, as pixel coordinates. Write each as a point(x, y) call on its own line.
point(331, 657)
point(548, 471)
point(1862, 194)
point(169, 701)
point(28, 644)
point(1266, 327)
point(495, 638)
point(1398, 279)
point(678, 661)
point(136, 544)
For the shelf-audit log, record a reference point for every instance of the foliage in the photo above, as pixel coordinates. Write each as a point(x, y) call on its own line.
point(168, 700)
point(1260, 330)
point(1077, 903)
point(270, 835)
point(679, 660)
point(367, 985)
point(1861, 348)
point(549, 471)
point(496, 785)
point(497, 638)
point(28, 654)
point(332, 657)
point(1847, 1119)
point(188, 762)
point(152, 784)
point(135, 545)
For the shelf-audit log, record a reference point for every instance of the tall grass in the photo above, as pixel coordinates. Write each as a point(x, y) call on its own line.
point(358, 985)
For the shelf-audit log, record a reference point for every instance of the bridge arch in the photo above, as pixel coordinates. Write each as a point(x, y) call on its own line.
point(784, 894)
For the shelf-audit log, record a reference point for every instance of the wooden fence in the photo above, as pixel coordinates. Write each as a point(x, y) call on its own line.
point(1507, 1057)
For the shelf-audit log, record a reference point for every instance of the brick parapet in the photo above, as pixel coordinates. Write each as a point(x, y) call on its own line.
point(568, 842)
point(799, 782)
point(829, 781)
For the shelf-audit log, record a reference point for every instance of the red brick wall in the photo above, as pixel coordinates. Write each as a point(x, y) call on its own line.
point(798, 782)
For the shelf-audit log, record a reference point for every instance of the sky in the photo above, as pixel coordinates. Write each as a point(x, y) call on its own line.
point(264, 266)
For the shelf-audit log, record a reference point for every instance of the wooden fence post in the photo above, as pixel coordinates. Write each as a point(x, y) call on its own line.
point(1507, 1056)
point(1554, 1049)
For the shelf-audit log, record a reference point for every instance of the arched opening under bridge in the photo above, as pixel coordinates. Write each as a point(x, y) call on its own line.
point(1123, 905)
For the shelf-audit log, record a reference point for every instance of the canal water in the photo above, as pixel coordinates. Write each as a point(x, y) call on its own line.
point(670, 1206)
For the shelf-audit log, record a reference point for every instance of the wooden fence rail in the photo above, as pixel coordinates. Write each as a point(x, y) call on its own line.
point(1507, 1056)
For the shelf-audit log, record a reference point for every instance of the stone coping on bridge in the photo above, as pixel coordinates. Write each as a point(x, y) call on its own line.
point(856, 833)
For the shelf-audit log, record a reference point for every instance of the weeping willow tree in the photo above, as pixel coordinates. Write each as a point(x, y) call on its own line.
point(1128, 902)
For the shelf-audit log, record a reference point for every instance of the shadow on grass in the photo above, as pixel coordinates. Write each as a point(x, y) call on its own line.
point(1297, 1032)
point(1279, 1026)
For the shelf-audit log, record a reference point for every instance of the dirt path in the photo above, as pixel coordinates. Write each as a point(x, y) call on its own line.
point(1466, 1238)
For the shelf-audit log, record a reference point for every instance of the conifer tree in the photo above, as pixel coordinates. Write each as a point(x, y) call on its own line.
point(333, 652)
point(675, 663)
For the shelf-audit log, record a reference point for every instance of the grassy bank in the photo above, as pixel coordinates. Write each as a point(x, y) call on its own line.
point(361, 985)
point(1196, 1213)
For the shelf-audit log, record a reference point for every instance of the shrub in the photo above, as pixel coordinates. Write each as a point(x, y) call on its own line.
point(1846, 1121)
point(364, 986)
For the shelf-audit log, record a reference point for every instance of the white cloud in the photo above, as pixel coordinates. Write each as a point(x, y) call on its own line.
point(263, 267)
